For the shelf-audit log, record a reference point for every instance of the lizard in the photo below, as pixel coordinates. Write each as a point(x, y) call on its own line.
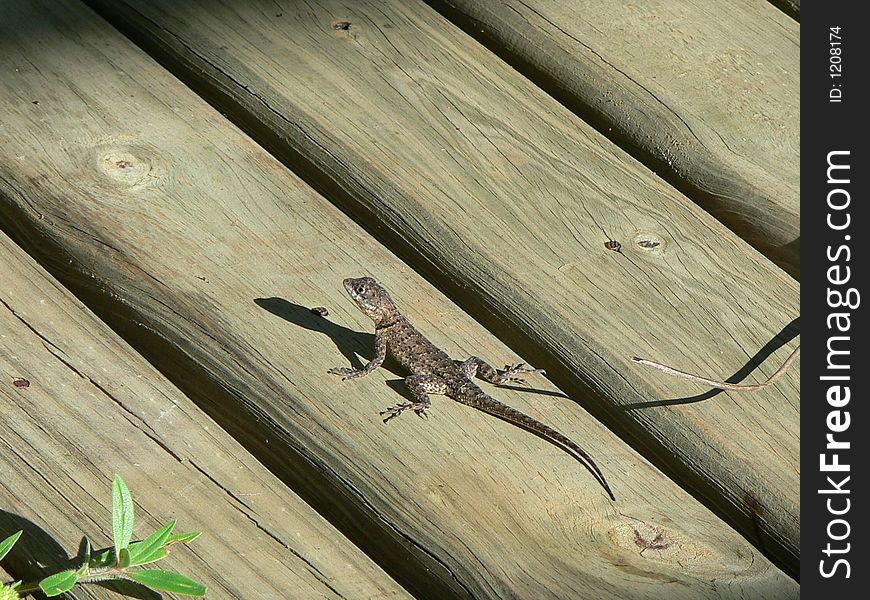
point(432, 371)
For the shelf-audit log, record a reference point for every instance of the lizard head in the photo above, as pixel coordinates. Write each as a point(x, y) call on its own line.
point(372, 299)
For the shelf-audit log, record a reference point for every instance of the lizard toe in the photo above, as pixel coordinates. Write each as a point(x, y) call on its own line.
point(394, 411)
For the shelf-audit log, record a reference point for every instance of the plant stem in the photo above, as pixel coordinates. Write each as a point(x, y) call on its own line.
point(95, 575)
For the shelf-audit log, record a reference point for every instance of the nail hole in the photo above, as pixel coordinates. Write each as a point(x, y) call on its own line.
point(650, 242)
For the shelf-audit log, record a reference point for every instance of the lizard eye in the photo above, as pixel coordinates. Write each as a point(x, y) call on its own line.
point(360, 289)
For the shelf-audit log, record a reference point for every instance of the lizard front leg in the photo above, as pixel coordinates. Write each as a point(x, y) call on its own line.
point(377, 361)
point(475, 366)
point(420, 387)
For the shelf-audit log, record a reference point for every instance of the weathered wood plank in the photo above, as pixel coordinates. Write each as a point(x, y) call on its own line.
point(505, 199)
point(180, 230)
point(94, 408)
point(706, 94)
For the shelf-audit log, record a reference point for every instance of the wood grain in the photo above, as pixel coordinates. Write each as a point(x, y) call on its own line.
point(207, 254)
point(505, 200)
point(707, 95)
point(94, 408)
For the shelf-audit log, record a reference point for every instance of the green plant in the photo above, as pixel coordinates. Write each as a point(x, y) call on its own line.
point(123, 562)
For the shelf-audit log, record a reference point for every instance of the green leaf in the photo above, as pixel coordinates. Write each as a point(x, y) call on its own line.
point(168, 581)
point(6, 545)
point(83, 570)
point(138, 553)
point(151, 548)
point(87, 551)
point(57, 584)
point(152, 557)
point(124, 558)
point(106, 558)
point(184, 538)
point(122, 515)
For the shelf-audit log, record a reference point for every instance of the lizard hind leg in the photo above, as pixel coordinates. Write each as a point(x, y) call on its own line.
point(420, 387)
point(475, 366)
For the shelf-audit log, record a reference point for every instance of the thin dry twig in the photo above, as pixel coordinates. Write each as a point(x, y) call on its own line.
point(723, 385)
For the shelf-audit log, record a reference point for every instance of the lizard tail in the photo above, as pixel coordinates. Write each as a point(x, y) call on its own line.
point(490, 405)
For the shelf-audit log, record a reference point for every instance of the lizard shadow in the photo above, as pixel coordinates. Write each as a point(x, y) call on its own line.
point(532, 390)
point(788, 333)
point(351, 344)
point(354, 344)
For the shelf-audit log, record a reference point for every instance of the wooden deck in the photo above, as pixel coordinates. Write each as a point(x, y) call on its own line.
point(200, 174)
